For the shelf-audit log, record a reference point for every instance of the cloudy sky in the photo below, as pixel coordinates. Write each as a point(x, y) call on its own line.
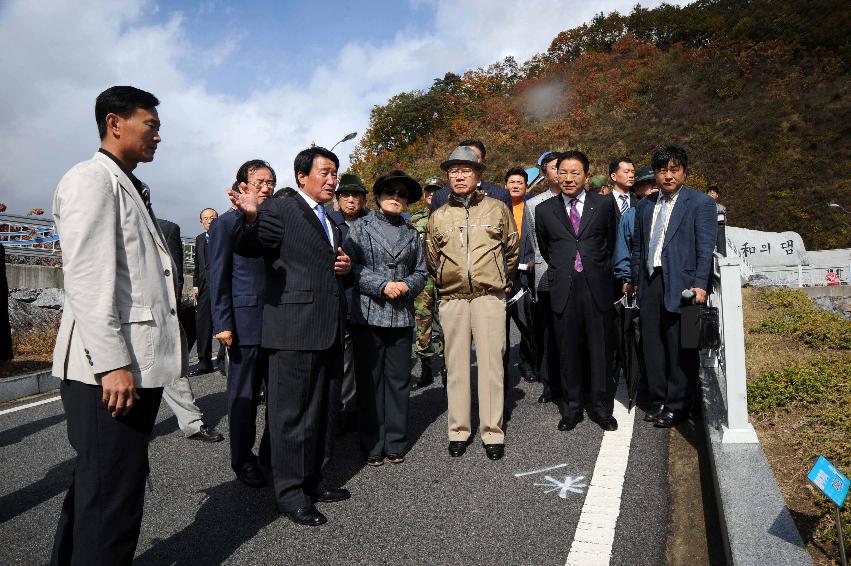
point(236, 80)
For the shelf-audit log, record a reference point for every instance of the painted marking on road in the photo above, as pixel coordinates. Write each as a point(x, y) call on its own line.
point(570, 484)
point(541, 471)
point(595, 532)
point(28, 405)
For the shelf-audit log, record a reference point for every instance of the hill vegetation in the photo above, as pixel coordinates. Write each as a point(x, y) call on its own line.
point(756, 91)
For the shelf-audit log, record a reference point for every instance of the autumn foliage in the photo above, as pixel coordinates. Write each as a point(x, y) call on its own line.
point(756, 91)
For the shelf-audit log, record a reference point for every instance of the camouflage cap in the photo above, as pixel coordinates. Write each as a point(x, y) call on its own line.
point(432, 184)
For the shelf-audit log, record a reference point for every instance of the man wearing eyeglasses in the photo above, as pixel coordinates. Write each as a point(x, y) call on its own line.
point(236, 289)
point(472, 252)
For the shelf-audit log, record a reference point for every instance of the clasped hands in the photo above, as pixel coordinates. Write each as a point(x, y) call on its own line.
point(395, 289)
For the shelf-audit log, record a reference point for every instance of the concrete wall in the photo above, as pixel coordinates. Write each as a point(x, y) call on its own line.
point(34, 276)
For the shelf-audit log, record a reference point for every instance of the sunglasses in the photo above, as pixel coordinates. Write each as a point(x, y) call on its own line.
point(394, 192)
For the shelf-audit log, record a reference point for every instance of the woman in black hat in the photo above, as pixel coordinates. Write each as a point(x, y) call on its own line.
point(388, 268)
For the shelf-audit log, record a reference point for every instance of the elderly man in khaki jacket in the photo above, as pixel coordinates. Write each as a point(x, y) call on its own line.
point(472, 253)
point(119, 342)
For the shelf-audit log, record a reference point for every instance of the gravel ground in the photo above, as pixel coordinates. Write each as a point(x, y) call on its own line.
point(433, 509)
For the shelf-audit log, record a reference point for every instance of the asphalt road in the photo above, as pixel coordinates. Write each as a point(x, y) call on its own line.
point(433, 509)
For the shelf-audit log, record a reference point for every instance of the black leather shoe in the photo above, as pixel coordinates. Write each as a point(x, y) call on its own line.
point(654, 413)
point(609, 423)
point(195, 372)
point(308, 516)
point(457, 448)
point(207, 434)
point(670, 419)
point(249, 474)
point(569, 423)
point(545, 398)
point(495, 451)
point(426, 377)
point(528, 375)
point(332, 495)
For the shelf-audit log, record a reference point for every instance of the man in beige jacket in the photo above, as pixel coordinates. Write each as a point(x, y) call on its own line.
point(119, 342)
point(472, 253)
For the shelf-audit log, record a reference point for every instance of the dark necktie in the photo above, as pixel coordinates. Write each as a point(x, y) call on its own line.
point(574, 221)
point(624, 203)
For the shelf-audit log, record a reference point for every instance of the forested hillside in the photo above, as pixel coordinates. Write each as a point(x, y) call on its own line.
point(756, 91)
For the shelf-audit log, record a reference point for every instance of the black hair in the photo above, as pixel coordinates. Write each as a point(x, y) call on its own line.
point(284, 192)
point(663, 156)
point(517, 171)
point(474, 143)
point(250, 166)
point(205, 209)
point(304, 160)
point(121, 101)
point(547, 158)
point(577, 155)
point(615, 164)
point(713, 188)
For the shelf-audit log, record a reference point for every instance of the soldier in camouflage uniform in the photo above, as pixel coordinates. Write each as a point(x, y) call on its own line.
point(428, 344)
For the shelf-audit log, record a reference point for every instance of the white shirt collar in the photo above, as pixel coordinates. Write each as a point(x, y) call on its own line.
point(580, 198)
point(310, 202)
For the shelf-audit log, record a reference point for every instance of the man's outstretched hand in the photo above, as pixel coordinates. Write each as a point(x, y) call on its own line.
point(245, 201)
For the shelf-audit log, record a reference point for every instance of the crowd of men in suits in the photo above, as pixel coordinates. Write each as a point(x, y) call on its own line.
point(278, 276)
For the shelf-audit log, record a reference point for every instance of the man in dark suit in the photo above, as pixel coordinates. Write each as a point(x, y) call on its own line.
point(178, 394)
point(351, 200)
point(201, 291)
point(441, 196)
point(622, 175)
point(576, 235)
point(236, 296)
point(672, 249)
point(303, 327)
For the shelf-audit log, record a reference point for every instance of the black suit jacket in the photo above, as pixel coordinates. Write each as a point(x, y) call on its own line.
point(171, 231)
point(200, 280)
point(304, 300)
point(633, 201)
point(441, 196)
point(595, 241)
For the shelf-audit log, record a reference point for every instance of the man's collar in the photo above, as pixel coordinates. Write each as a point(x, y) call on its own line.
point(580, 197)
point(307, 198)
point(133, 179)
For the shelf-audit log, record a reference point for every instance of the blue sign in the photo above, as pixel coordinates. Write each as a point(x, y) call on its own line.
point(829, 480)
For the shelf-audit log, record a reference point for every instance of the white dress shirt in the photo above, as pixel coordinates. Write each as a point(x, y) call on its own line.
point(329, 229)
point(580, 203)
point(657, 256)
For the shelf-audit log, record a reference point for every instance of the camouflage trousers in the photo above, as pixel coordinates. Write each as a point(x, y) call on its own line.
point(429, 343)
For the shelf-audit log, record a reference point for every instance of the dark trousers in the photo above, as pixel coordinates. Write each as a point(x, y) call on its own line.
point(584, 335)
point(521, 313)
point(348, 386)
point(671, 370)
point(102, 512)
point(247, 373)
point(303, 401)
point(204, 328)
point(545, 347)
point(383, 370)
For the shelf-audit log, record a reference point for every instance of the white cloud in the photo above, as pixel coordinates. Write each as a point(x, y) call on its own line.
point(59, 55)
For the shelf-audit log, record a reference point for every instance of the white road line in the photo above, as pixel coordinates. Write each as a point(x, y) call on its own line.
point(28, 405)
point(595, 532)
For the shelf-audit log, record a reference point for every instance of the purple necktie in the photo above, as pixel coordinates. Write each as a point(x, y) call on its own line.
point(574, 221)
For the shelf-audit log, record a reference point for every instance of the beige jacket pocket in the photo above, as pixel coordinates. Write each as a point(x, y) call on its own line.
point(137, 327)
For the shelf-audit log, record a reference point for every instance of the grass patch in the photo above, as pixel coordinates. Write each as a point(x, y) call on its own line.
point(791, 313)
point(799, 397)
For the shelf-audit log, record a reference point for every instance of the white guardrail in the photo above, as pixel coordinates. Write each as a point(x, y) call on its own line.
point(729, 359)
point(36, 237)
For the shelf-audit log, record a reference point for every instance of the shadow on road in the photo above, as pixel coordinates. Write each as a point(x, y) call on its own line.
point(55, 481)
point(230, 514)
point(15, 435)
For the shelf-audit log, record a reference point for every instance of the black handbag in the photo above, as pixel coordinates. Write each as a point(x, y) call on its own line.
point(699, 327)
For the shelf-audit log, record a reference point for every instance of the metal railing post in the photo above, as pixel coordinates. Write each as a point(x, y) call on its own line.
point(738, 428)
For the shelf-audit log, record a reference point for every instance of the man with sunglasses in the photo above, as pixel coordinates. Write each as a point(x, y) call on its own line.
point(472, 253)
